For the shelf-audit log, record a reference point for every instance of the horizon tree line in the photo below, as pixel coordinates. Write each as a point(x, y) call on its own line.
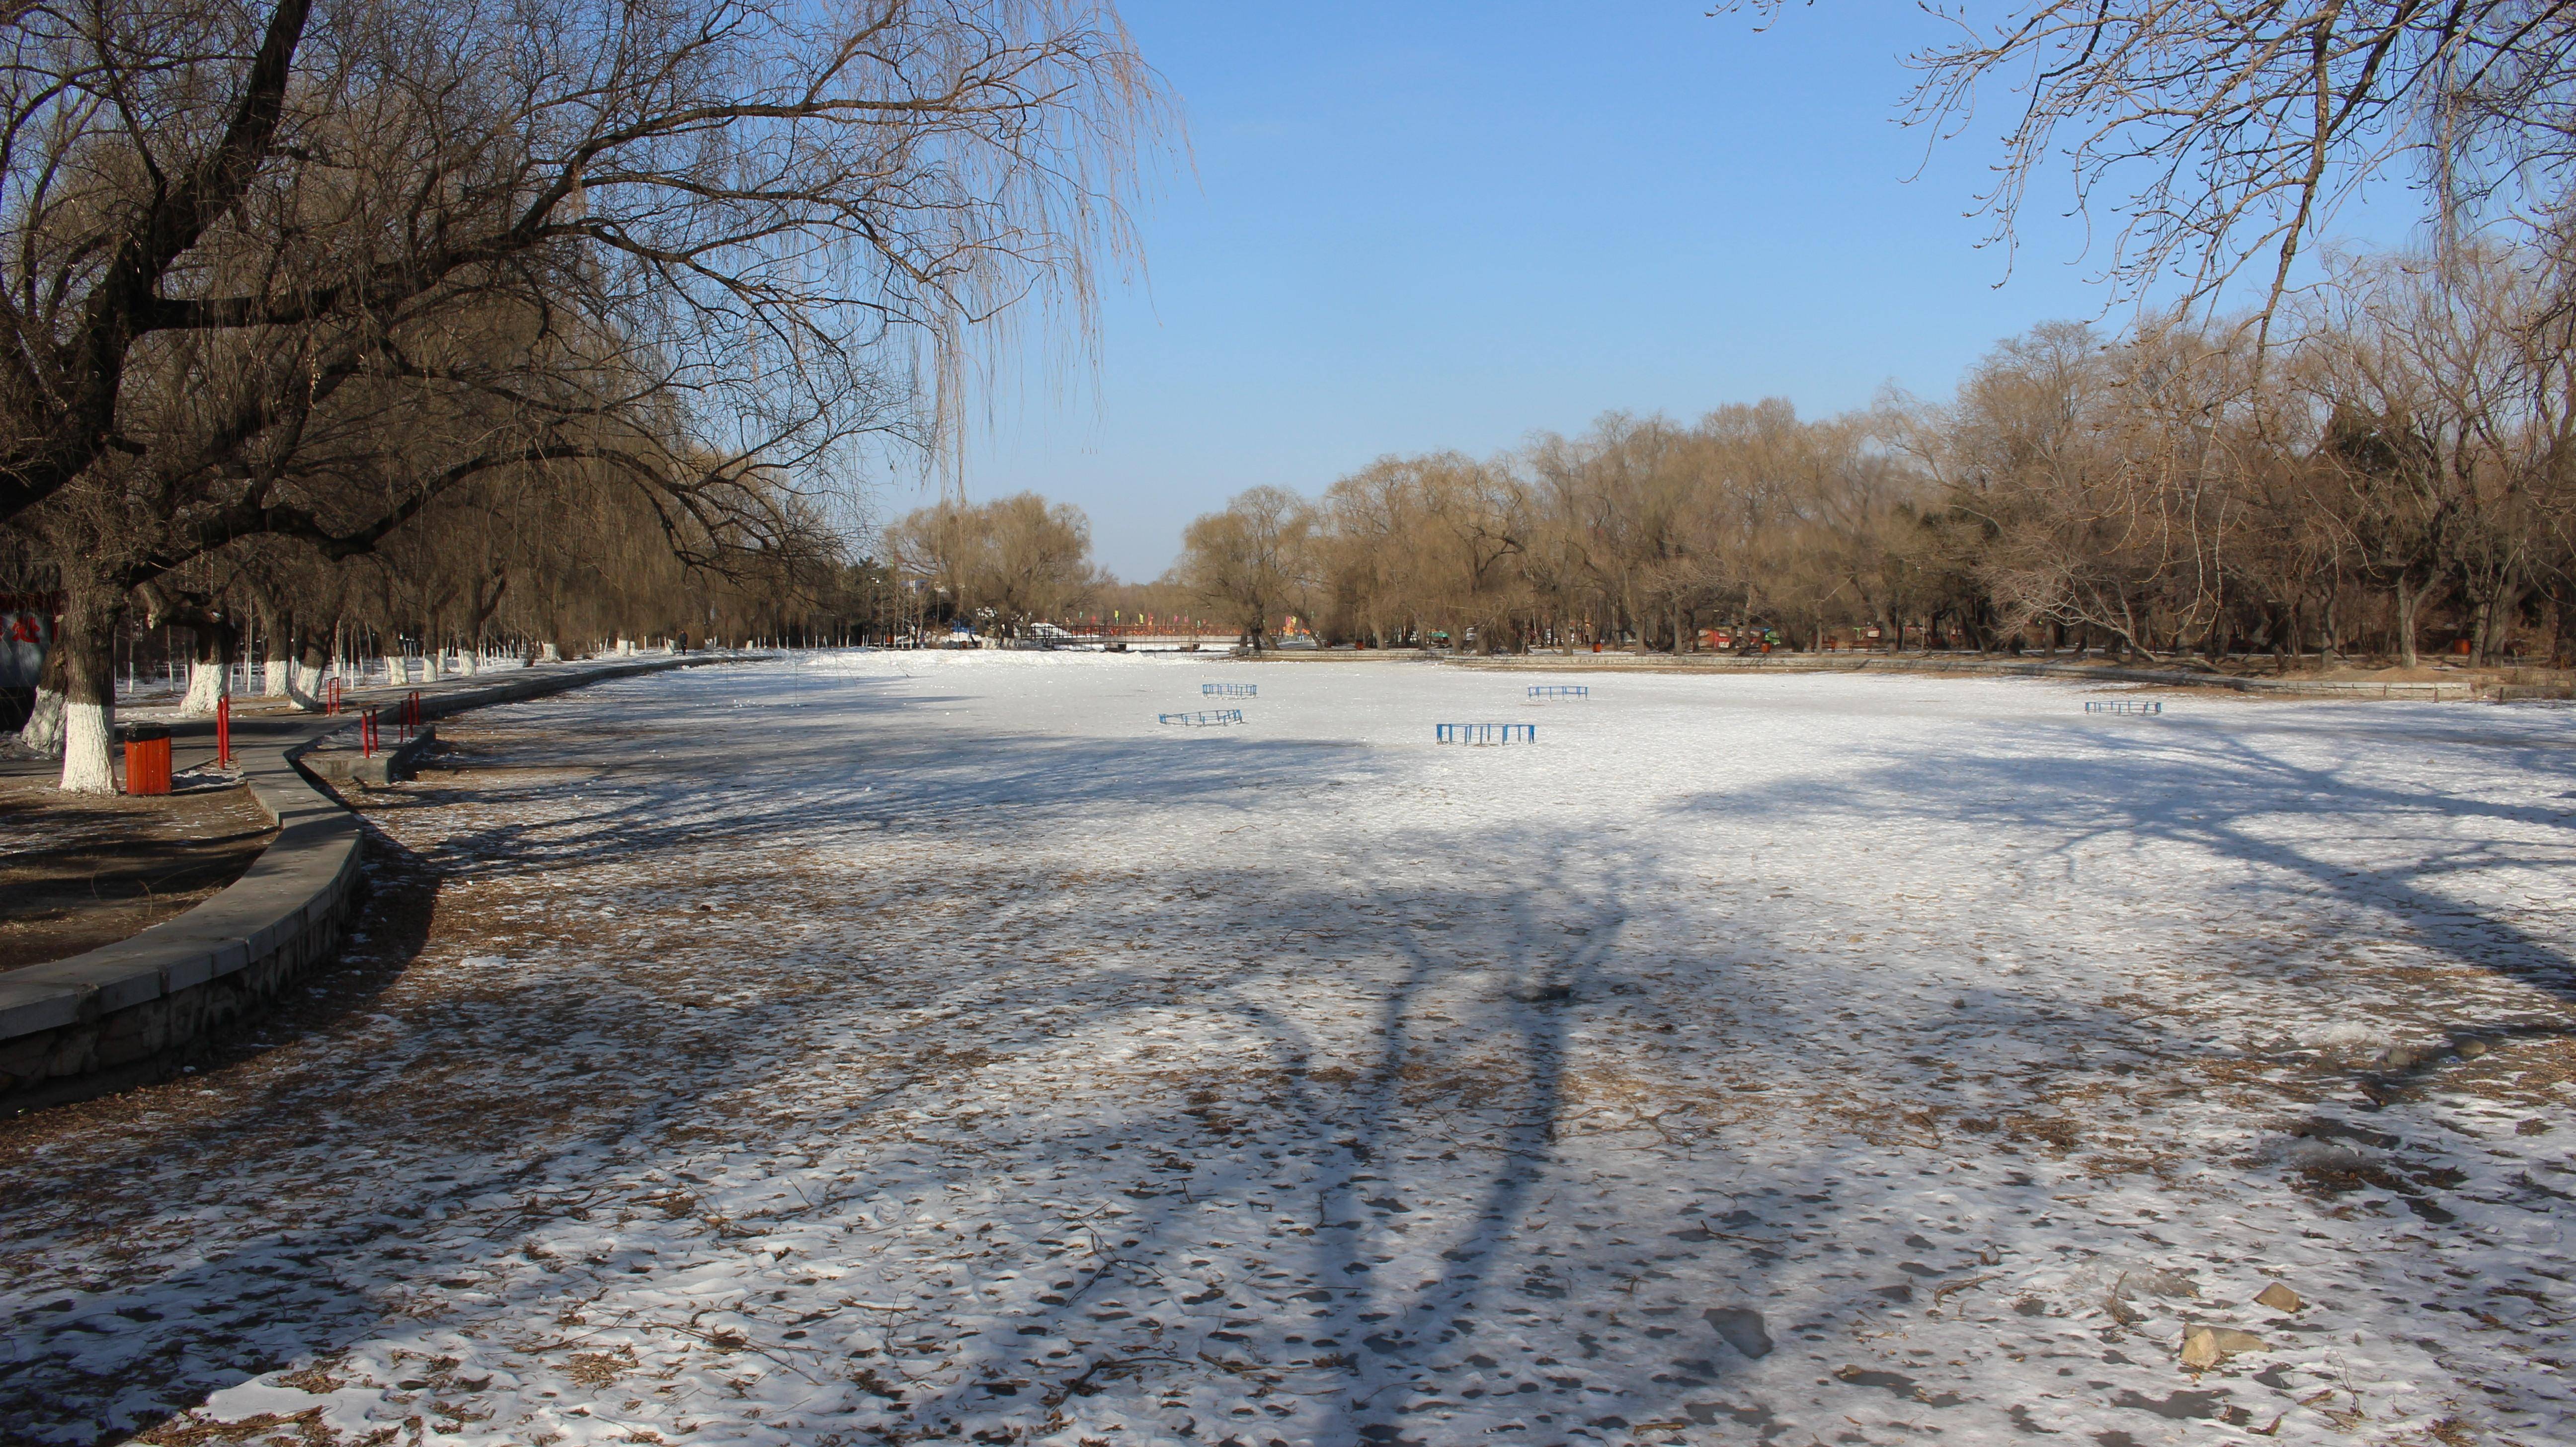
point(2394, 463)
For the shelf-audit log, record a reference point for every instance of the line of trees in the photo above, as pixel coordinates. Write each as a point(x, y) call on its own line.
point(1004, 565)
point(2395, 464)
point(564, 319)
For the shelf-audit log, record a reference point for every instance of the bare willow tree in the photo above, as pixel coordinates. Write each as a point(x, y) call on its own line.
point(298, 270)
point(1251, 563)
point(1013, 562)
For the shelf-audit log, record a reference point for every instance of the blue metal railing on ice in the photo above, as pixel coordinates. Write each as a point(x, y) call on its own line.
point(1487, 733)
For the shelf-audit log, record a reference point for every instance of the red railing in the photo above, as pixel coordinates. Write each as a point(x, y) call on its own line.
point(224, 732)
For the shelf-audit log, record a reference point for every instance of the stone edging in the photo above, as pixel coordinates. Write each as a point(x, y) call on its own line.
point(347, 766)
point(118, 1015)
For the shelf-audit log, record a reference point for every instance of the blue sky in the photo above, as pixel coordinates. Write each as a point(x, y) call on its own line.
point(1438, 224)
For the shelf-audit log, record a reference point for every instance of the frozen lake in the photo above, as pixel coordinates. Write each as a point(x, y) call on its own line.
point(934, 1046)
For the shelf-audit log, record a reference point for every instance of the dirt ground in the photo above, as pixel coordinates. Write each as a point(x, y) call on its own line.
point(80, 872)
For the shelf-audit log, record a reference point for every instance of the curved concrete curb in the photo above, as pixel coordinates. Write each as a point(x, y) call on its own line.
point(116, 1016)
point(83, 1026)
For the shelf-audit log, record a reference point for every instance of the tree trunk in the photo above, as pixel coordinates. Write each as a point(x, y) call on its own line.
point(273, 656)
point(2495, 620)
point(87, 643)
point(43, 733)
point(210, 671)
point(273, 625)
point(304, 676)
point(2409, 600)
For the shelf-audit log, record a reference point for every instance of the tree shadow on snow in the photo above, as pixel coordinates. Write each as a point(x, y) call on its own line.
point(2212, 791)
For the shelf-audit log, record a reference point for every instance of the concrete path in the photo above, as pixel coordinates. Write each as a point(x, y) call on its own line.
point(192, 740)
point(129, 1011)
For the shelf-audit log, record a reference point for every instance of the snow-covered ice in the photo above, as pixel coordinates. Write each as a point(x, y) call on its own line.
point(932, 1046)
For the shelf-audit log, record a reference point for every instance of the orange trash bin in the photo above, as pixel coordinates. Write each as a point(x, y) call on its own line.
point(147, 762)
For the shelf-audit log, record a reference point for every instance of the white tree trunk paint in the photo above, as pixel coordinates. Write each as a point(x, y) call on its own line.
point(89, 736)
point(303, 687)
point(43, 735)
point(207, 682)
point(273, 681)
point(470, 665)
point(397, 671)
point(551, 654)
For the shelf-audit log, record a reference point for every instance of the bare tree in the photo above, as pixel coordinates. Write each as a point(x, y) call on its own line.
point(300, 271)
point(1015, 561)
point(2226, 134)
point(2451, 399)
point(1252, 562)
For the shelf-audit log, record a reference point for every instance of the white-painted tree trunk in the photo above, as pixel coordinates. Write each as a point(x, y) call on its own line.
point(304, 687)
point(273, 678)
point(43, 734)
point(397, 672)
point(469, 664)
point(550, 654)
point(208, 682)
point(89, 743)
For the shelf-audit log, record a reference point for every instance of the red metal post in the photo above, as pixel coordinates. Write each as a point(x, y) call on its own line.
point(224, 732)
